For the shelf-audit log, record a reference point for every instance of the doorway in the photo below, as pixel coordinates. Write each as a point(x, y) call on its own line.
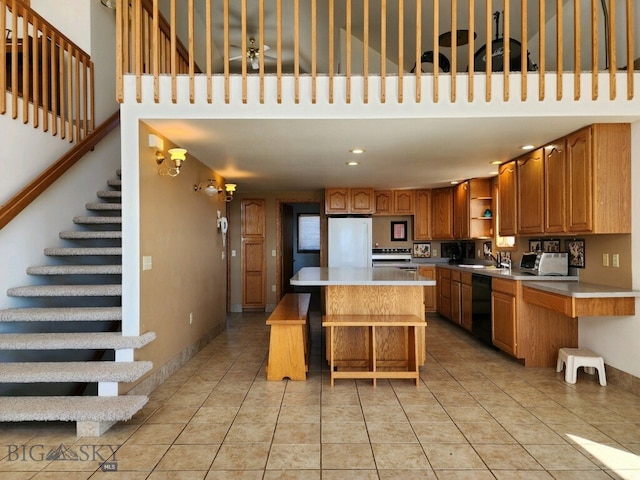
point(299, 240)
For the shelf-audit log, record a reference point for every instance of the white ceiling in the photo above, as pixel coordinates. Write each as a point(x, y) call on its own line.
point(268, 155)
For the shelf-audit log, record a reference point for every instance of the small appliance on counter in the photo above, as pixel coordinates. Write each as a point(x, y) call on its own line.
point(545, 263)
point(392, 257)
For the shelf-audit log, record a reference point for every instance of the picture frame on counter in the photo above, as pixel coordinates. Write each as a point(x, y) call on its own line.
point(399, 231)
point(575, 247)
point(422, 250)
point(551, 246)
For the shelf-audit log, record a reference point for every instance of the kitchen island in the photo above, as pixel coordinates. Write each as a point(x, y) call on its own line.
point(375, 292)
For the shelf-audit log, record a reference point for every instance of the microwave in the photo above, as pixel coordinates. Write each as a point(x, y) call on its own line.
point(545, 263)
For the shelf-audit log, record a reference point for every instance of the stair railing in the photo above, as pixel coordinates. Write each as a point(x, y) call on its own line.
point(48, 71)
point(29, 193)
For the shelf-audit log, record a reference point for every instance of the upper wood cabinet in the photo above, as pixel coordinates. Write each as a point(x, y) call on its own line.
point(403, 202)
point(349, 200)
point(461, 210)
point(481, 211)
point(530, 175)
point(422, 216)
point(555, 187)
point(442, 213)
point(507, 199)
point(394, 202)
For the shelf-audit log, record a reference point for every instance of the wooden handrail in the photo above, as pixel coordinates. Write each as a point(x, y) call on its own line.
point(383, 32)
point(29, 193)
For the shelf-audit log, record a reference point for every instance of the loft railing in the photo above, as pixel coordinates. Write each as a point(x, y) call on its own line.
point(51, 74)
point(363, 39)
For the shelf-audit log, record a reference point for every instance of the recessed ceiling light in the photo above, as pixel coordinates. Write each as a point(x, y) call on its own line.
point(357, 151)
point(454, 182)
point(352, 164)
point(527, 147)
point(496, 162)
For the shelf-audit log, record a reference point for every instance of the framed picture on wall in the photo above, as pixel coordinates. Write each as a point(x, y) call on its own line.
point(399, 231)
point(552, 246)
point(535, 245)
point(422, 250)
point(575, 248)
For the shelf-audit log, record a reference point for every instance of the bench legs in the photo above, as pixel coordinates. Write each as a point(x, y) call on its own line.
point(288, 352)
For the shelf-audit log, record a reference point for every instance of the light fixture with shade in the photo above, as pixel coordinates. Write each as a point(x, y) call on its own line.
point(210, 188)
point(177, 156)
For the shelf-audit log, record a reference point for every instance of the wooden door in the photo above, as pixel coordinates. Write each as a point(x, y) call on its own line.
point(422, 216)
point(580, 182)
point(530, 175)
point(507, 220)
point(442, 213)
point(555, 188)
point(253, 217)
point(503, 313)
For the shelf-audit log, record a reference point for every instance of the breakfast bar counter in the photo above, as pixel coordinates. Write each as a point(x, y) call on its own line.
point(376, 293)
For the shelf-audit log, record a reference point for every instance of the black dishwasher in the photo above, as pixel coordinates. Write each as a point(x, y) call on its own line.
point(481, 308)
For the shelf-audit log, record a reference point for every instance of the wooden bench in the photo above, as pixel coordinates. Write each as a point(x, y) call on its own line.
point(373, 322)
point(289, 338)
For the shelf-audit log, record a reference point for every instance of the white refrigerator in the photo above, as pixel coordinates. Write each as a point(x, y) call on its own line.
point(349, 241)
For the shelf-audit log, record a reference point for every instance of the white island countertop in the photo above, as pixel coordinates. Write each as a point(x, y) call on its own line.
point(321, 276)
point(583, 290)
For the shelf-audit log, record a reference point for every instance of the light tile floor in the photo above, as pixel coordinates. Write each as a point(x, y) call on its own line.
point(476, 415)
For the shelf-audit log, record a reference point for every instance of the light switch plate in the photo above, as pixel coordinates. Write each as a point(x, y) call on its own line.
point(615, 260)
point(605, 259)
point(147, 263)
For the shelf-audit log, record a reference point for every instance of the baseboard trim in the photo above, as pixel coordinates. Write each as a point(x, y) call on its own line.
point(622, 380)
point(158, 377)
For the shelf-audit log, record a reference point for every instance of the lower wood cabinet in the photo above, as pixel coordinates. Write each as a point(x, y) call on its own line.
point(429, 271)
point(443, 286)
point(465, 301)
point(503, 313)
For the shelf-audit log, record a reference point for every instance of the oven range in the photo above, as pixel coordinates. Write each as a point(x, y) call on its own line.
point(392, 257)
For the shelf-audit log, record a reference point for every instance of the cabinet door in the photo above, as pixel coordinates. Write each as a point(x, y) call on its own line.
point(429, 292)
point(362, 200)
point(422, 216)
point(507, 220)
point(336, 200)
point(443, 285)
point(466, 302)
point(403, 202)
point(456, 299)
point(530, 175)
point(503, 316)
point(555, 186)
point(580, 182)
point(442, 213)
point(461, 211)
point(383, 202)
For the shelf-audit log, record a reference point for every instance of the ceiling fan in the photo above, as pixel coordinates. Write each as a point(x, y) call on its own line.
point(253, 54)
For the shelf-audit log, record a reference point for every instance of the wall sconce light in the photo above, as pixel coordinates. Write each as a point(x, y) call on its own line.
point(109, 3)
point(177, 156)
point(211, 189)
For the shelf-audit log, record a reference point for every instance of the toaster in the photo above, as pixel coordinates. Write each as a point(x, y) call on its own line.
point(545, 263)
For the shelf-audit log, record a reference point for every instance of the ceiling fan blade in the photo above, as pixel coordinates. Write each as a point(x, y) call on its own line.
point(265, 48)
point(238, 57)
point(269, 57)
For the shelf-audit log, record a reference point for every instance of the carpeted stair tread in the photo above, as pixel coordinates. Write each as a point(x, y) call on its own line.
point(109, 194)
point(82, 251)
point(103, 206)
point(66, 291)
point(58, 314)
point(90, 235)
point(70, 409)
point(88, 220)
point(114, 182)
point(63, 372)
point(73, 341)
point(75, 270)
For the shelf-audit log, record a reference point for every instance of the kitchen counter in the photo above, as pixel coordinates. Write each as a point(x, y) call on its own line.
point(509, 273)
point(583, 290)
point(323, 276)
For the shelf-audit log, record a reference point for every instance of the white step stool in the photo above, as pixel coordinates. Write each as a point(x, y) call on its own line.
point(574, 358)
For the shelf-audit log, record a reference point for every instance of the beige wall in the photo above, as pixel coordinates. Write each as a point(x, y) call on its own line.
point(178, 230)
